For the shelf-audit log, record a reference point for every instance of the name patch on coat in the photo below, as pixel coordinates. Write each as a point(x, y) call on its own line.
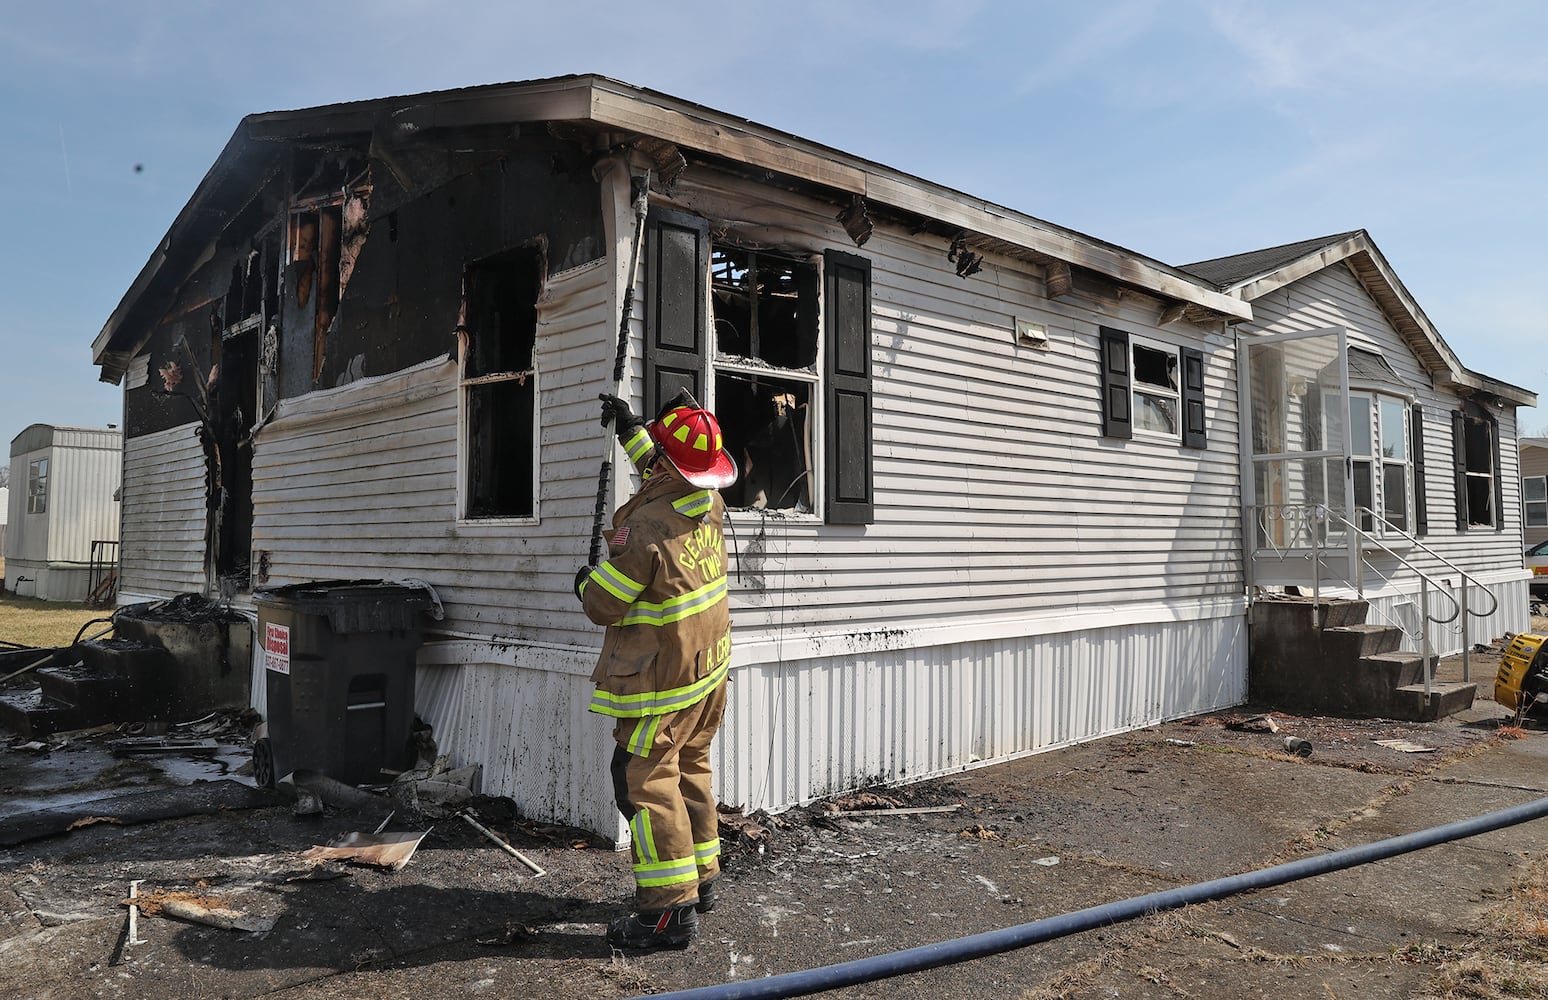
point(621, 536)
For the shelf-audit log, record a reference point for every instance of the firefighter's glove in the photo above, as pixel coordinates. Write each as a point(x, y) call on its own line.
point(581, 576)
point(617, 410)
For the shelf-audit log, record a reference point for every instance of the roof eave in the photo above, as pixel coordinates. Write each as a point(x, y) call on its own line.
point(615, 105)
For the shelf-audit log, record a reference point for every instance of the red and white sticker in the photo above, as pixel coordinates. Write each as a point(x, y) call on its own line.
point(276, 647)
point(621, 536)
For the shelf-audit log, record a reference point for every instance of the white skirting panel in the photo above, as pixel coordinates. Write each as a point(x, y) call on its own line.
point(520, 711)
point(1398, 605)
point(797, 731)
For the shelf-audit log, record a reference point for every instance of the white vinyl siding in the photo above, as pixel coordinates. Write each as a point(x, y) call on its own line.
point(361, 482)
point(164, 515)
point(996, 494)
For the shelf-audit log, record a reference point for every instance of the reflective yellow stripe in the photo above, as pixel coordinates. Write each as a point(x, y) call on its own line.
point(644, 838)
point(638, 444)
point(706, 851)
point(666, 872)
point(629, 706)
point(694, 505)
point(675, 609)
point(616, 583)
point(644, 736)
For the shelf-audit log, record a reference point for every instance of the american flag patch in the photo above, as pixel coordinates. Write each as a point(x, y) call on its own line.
point(621, 536)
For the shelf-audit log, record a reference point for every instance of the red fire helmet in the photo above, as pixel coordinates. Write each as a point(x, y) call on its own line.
point(690, 439)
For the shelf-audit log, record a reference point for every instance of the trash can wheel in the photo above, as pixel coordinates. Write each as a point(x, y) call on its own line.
point(263, 762)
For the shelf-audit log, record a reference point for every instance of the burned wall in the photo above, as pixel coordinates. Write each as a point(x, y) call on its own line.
point(235, 278)
point(405, 240)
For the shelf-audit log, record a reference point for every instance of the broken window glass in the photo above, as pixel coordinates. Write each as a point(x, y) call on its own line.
point(1155, 388)
point(765, 378)
point(1478, 448)
point(499, 383)
point(765, 306)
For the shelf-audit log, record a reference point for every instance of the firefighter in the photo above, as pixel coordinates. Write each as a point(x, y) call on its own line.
point(661, 675)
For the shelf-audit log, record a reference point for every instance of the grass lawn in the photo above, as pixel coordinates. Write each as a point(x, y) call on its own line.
point(29, 622)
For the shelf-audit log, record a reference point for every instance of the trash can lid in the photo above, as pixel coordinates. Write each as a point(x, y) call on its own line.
point(354, 605)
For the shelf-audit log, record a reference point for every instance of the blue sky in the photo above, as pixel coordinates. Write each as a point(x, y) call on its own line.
point(1183, 130)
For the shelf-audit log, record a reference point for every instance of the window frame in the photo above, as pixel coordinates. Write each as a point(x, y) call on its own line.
point(681, 352)
point(1120, 388)
point(718, 362)
point(1467, 425)
point(1527, 503)
point(37, 486)
point(1138, 388)
point(467, 384)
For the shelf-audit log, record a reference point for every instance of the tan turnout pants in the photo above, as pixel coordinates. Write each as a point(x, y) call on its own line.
point(665, 795)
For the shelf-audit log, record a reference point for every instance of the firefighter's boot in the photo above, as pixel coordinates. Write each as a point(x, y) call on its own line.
point(671, 928)
point(706, 901)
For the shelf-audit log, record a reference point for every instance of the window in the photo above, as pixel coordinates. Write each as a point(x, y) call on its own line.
point(1379, 453)
point(1151, 389)
point(764, 308)
point(1475, 444)
point(499, 385)
point(1534, 501)
point(37, 487)
point(778, 344)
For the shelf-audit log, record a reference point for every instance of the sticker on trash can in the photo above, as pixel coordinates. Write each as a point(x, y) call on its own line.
point(276, 647)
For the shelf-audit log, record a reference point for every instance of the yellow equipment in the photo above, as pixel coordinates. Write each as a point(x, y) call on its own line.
point(1523, 678)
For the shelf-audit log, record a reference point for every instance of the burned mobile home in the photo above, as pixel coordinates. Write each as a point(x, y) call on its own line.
point(992, 486)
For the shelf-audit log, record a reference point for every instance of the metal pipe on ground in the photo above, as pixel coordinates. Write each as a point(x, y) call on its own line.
point(933, 956)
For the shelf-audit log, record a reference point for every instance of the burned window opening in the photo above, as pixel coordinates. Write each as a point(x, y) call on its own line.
point(1478, 450)
point(315, 244)
point(765, 306)
point(766, 422)
point(765, 316)
point(498, 338)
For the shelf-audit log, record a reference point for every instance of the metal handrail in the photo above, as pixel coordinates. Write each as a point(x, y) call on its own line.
point(1308, 514)
point(1324, 512)
point(1494, 602)
point(1456, 608)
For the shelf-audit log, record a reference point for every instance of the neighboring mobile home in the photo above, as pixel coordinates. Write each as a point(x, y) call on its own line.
point(1534, 490)
point(992, 482)
point(63, 514)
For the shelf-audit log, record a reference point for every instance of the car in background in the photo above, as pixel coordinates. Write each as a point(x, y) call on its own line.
point(1536, 560)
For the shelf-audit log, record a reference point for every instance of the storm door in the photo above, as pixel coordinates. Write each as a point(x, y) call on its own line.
point(1297, 498)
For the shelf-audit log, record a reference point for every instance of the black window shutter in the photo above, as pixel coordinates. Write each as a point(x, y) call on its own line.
point(677, 249)
point(1416, 442)
point(1193, 398)
point(1459, 465)
point(849, 491)
point(1117, 421)
point(1499, 478)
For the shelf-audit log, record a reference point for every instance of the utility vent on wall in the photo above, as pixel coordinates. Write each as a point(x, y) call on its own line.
point(1031, 334)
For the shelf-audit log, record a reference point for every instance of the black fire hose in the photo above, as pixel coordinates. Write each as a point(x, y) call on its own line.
point(639, 191)
point(931, 956)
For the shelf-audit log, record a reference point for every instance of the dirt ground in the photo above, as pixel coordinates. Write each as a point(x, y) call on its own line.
point(997, 847)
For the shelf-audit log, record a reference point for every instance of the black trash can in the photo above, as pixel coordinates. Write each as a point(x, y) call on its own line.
point(339, 661)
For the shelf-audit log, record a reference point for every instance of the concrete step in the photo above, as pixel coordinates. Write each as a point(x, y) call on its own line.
point(1411, 704)
point(1355, 641)
point(99, 697)
point(1392, 669)
point(27, 713)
